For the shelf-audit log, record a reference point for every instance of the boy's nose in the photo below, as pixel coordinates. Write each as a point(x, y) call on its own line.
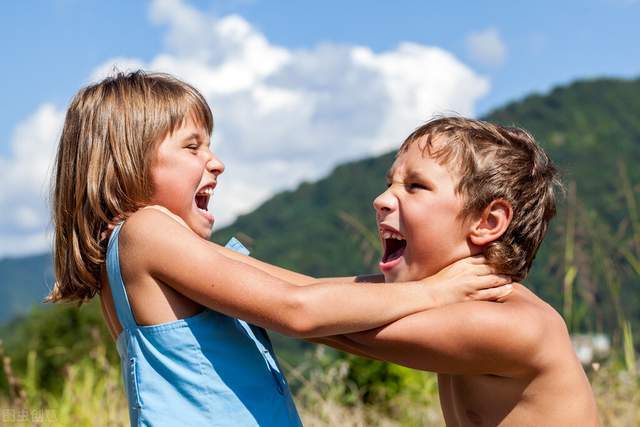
point(215, 165)
point(385, 202)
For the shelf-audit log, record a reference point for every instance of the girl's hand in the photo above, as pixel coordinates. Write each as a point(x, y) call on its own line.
point(469, 279)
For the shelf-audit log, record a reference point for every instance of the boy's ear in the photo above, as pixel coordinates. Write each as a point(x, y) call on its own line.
point(492, 223)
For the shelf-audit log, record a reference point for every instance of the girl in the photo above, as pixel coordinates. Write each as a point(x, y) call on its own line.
point(136, 147)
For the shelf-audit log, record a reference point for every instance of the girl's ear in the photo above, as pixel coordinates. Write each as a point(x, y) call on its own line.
point(492, 224)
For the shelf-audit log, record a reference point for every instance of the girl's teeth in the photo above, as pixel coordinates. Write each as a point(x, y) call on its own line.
point(206, 192)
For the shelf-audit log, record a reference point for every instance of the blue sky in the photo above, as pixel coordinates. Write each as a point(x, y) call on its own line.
point(52, 46)
point(355, 61)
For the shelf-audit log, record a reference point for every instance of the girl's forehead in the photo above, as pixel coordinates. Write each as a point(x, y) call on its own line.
point(189, 127)
point(192, 121)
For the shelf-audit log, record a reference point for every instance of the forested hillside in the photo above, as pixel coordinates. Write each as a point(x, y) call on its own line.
point(588, 267)
point(23, 282)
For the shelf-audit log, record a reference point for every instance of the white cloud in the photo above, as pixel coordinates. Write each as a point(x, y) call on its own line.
point(24, 179)
point(283, 116)
point(486, 47)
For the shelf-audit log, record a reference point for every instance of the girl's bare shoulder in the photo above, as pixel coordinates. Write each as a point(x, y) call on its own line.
point(150, 232)
point(148, 224)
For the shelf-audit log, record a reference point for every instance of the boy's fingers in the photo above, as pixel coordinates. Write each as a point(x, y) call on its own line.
point(493, 293)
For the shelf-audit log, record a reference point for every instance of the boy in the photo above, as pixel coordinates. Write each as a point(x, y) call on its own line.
point(462, 187)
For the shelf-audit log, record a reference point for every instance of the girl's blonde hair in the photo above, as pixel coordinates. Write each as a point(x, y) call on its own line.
point(102, 167)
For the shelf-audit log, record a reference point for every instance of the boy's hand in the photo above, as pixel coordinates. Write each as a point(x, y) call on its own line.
point(469, 279)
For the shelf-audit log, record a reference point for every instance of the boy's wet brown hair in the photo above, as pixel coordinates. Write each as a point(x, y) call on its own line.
point(496, 162)
point(102, 168)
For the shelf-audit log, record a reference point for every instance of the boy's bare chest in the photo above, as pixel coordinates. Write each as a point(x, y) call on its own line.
point(479, 400)
point(561, 398)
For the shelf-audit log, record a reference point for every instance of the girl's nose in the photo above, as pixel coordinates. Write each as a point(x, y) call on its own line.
point(215, 165)
point(385, 202)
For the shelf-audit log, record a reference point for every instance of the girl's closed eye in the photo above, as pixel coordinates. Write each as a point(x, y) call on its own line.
point(193, 147)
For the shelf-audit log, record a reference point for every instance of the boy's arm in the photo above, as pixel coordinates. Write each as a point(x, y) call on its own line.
point(469, 338)
point(339, 343)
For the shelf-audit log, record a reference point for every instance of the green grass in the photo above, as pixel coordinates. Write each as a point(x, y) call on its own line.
point(92, 395)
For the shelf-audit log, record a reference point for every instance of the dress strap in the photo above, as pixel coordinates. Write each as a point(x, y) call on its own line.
point(251, 330)
point(118, 291)
point(235, 245)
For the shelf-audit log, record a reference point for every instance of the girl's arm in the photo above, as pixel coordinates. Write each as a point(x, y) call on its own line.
point(159, 246)
point(459, 281)
point(293, 277)
point(279, 272)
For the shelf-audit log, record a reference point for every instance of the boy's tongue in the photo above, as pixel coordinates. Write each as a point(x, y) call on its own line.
point(393, 250)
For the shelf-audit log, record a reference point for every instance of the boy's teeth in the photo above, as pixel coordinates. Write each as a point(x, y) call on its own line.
point(387, 234)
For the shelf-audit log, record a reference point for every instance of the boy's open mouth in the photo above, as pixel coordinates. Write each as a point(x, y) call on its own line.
point(394, 245)
point(393, 248)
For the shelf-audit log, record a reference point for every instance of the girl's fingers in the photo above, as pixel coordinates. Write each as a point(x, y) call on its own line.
point(491, 294)
point(491, 281)
point(482, 269)
point(477, 259)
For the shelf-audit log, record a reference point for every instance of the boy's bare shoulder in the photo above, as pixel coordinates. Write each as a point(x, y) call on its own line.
point(533, 325)
point(530, 307)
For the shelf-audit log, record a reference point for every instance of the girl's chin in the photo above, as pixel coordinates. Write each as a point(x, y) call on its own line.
point(204, 230)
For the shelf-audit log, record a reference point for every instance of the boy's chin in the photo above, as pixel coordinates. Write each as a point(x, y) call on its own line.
point(406, 274)
point(396, 276)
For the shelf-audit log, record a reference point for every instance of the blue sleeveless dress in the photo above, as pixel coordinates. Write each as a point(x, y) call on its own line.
point(205, 370)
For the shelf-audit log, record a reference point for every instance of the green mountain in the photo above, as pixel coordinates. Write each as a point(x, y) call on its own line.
point(24, 282)
point(321, 229)
point(590, 129)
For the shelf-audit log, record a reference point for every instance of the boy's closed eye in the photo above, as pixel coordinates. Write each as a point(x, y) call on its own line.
point(413, 186)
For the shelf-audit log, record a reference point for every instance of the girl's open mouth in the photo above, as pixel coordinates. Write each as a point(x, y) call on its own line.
point(394, 245)
point(202, 201)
